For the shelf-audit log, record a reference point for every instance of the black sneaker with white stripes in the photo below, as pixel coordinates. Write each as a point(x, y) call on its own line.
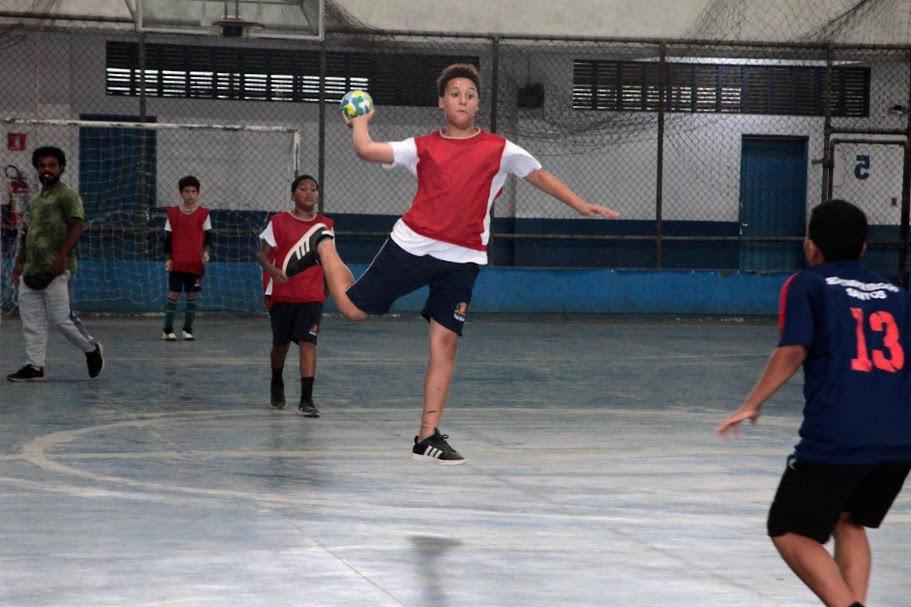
point(436, 450)
point(304, 252)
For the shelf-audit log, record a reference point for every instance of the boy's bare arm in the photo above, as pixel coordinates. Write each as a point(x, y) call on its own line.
point(367, 148)
point(548, 183)
point(166, 245)
point(783, 362)
point(263, 257)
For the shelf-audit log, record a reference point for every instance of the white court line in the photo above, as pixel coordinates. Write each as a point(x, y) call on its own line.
point(35, 452)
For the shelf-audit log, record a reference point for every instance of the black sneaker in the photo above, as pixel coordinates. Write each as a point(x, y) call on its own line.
point(94, 360)
point(435, 449)
point(27, 373)
point(307, 408)
point(277, 395)
point(304, 252)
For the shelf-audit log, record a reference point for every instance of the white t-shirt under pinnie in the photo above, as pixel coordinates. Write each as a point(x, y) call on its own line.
point(458, 180)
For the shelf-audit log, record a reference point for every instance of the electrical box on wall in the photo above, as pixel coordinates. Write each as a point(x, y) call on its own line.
point(15, 142)
point(531, 96)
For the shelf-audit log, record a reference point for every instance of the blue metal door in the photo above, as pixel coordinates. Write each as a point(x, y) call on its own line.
point(773, 200)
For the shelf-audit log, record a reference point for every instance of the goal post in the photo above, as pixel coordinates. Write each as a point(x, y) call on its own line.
point(127, 174)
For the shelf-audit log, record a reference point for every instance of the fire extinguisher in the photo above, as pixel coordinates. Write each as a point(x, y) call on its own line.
point(18, 196)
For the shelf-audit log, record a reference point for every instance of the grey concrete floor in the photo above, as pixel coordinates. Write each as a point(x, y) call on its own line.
point(594, 477)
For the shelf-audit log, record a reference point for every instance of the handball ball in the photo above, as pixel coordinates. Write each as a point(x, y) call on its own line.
point(356, 103)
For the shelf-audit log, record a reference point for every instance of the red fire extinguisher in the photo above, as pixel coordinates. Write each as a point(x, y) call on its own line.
point(18, 195)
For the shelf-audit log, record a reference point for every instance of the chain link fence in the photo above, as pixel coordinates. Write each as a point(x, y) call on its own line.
point(713, 152)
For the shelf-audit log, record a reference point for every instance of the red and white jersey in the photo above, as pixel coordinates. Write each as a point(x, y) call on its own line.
point(458, 180)
point(188, 235)
point(282, 233)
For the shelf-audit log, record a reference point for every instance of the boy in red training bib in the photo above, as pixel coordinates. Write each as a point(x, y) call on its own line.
point(187, 243)
point(295, 303)
point(441, 241)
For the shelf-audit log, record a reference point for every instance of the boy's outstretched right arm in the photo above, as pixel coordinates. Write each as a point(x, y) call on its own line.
point(367, 148)
point(783, 362)
point(550, 184)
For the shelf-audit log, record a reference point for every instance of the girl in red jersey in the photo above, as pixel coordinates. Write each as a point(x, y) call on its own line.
point(188, 240)
point(442, 240)
point(295, 304)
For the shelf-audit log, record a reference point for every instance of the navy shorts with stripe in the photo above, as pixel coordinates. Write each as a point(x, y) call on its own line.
point(184, 281)
point(395, 272)
point(297, 322)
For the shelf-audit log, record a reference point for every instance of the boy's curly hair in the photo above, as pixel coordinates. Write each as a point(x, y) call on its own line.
point(458, 70)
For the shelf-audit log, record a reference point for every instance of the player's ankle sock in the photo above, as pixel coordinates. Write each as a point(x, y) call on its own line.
point(307, 388)
point(277, 375)
point(189, 315)
point(170, 309)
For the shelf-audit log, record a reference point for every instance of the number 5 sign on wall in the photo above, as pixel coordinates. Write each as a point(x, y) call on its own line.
point(862, 168)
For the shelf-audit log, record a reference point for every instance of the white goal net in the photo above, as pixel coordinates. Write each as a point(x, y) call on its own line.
point(127, 174)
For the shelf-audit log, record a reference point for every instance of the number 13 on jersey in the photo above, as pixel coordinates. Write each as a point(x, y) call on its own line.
point(880, 322)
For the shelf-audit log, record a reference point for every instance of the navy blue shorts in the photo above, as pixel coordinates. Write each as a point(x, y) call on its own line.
point(297, 322)
point(395, 272)
point(184, 281)
point(812, 496)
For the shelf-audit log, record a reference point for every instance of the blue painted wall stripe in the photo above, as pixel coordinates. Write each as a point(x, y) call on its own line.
point(135, 286)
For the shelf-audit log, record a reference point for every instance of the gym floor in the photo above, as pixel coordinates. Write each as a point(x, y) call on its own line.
point(594, 477)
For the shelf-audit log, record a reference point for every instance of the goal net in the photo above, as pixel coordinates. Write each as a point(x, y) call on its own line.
point(127, 175)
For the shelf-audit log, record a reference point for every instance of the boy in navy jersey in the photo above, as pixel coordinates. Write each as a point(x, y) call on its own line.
point(442, 240)
point(296, 303)
point(187, 242)
point(851, 330)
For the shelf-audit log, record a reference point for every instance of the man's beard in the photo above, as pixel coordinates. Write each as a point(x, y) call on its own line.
point(48, 181)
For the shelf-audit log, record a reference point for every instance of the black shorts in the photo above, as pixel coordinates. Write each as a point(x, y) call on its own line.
point(395, 272)
point(812, 496)
point(184, 281)
point(297, 322)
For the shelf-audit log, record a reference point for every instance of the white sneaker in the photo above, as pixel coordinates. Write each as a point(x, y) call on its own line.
point(168, 336)
point(186, 335)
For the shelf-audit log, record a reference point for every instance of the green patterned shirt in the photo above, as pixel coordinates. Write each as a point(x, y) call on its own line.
point(48, 225)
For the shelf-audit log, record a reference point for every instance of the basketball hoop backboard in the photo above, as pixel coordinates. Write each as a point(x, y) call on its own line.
point(288, 19)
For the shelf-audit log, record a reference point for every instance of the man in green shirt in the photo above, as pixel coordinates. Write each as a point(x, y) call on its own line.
point(46, 266)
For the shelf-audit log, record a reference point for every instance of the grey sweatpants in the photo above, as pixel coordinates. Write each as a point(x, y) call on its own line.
point(50, 305)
